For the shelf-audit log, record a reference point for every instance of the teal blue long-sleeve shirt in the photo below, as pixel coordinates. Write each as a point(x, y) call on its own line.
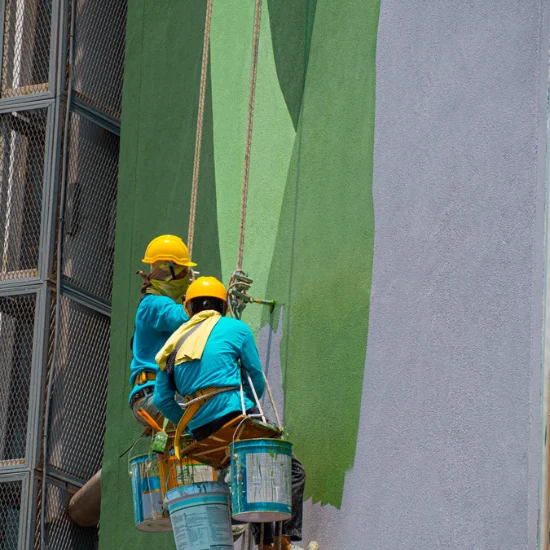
point(157, 317)
point(229, 342)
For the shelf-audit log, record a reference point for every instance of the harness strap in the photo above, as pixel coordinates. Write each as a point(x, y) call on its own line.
point(144, 376)
point(171, 361)
point(192, 404)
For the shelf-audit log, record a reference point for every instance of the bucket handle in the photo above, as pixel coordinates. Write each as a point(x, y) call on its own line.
point(131, 449)
point(244, 420)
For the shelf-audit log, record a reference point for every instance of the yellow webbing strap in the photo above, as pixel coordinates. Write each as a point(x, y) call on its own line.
point(144, 377)
point(149, 419)
point(194, 403)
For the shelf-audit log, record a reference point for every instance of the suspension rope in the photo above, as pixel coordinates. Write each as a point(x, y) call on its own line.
point(254, 71)
point(244, 198)
point(200, 122)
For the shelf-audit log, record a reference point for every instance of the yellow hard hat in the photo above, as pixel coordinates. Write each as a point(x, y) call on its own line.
point(205, 287)
point(168, 248)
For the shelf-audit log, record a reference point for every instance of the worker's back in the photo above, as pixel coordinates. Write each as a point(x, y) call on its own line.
point(230, 342)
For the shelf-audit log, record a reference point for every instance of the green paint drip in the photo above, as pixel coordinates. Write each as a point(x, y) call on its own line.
point(322, 264)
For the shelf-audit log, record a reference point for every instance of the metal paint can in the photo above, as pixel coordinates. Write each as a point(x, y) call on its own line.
point(261, 480)
point(176, 472)
point(149, 513)
point(200, 516)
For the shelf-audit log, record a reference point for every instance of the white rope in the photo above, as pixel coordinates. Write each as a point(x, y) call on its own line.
point(256, 397)
point(250, 124)
point(268, 388)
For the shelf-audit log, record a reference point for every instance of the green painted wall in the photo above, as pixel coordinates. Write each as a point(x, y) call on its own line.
point(310, 218)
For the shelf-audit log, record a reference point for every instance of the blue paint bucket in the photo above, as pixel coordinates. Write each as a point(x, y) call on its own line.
point(200, 516)
point(149, 513)
point(261, 480)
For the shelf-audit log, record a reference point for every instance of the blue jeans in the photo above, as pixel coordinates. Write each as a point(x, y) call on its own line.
point(291, 527)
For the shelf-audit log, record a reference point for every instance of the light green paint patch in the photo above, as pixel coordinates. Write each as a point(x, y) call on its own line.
point(230, 53)
point(273, 139)
point(322, 265)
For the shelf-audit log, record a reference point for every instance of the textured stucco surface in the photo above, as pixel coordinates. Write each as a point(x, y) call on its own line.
point(449, 437)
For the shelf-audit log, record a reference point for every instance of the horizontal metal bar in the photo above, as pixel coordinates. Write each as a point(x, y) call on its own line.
point(15, 472)
point(13, 287)
point(95, 115)
point(22, 103)
point(61, 479)
point(83, 297)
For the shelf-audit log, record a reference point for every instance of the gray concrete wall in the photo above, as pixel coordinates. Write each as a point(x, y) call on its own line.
point(449, 444)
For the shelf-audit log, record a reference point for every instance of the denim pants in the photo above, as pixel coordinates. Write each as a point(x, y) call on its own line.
point(291, 527)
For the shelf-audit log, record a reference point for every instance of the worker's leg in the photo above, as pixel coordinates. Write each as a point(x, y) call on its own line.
point(293, 527)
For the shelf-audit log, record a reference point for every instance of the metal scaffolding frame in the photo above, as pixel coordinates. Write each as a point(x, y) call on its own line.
point(33, 106)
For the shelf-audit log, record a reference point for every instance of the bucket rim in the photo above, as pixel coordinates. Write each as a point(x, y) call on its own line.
point(220, 484)
point(266, 439)
point(142, 457)
point(262, 440)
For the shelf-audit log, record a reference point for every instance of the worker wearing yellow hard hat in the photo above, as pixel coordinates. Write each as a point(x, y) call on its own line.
point(159, 314)
point(203, 353)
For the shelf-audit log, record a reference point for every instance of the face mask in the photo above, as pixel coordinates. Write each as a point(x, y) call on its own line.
point(175, 289)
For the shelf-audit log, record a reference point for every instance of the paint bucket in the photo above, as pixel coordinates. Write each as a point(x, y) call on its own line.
point(149, 513)
point(261, 480)
point(176, 472)
point(200, 516)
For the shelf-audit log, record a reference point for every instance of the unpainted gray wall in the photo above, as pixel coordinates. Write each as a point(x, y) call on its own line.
point(450, 440)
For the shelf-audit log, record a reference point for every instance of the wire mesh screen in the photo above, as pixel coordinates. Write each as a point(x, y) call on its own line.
point(78, 407)
point(10, 505)
point(26, 58)
point(16, 345)
point(99, 53)
point(89, 239)
point(61, 533)
point(22, 156)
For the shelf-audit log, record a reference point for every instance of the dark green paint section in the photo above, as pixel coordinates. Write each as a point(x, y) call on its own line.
point(290, 21)
point(164, 48)
point(322, 265)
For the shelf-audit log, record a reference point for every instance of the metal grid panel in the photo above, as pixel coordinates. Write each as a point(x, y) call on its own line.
point(22, 157)
point(61, 533)
point(100, 30)
point(10, 505)
point(26, 61)
point(78, 408)
point(16, 343)
point(89, 240)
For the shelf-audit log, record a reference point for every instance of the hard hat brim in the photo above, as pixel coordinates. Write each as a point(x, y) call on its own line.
point(150, 261)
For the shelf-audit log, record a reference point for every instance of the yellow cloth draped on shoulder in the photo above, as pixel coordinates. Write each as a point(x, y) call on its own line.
point(196, 332)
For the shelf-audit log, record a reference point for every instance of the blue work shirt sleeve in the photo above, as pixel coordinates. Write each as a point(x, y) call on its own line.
point(165, 315)
point(250, 360)
point(164, 398)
